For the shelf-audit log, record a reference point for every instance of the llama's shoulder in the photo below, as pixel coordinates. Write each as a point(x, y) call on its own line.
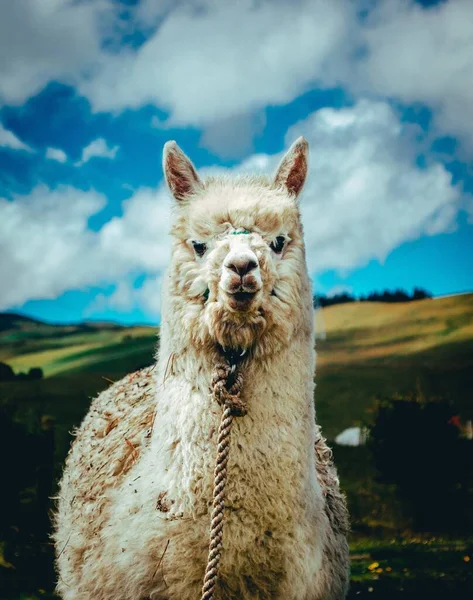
point(106, 446)
point(113, 433)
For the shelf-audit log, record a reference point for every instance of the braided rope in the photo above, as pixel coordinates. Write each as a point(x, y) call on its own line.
point(226, 388)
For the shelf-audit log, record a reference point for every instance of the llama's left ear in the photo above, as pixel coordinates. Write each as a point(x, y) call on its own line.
point(292, 170)
point(181, 175)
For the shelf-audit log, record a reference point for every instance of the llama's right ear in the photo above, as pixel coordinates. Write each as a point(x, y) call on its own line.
point(292, 170)
point(181, 175)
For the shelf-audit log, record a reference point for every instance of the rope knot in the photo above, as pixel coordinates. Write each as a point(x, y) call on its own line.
point(226, 389)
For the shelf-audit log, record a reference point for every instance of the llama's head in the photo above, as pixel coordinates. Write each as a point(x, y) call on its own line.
point(238, 277)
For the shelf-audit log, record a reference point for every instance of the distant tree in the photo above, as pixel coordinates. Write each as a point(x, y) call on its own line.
point(420, 294)
point(397, 295)
point(6, 372)
point(400, 296)
point(416, 445)
point(322, 300)
point(26, 472)
point(35, 373)
point(21, 377)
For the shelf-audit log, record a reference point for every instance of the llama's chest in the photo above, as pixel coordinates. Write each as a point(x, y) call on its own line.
point(271, 528)
point(266, 553)
point(255, 563)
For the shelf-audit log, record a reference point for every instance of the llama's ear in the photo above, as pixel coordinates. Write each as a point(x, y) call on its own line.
point(292, 170)
point(181, 175)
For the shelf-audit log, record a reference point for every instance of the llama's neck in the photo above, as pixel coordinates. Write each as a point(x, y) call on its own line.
point(279, 429)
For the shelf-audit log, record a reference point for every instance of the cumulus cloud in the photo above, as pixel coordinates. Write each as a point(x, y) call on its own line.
point(41, 41)
point(120, 299)
point(423, 55)
point(46, 247)
point(126, 297)
point(233, 137)
point(56, 154)
point(402, 50)
point(97, 149)
point(199, 68)
point(149, 295)
point(9, 140)
point(364, 197)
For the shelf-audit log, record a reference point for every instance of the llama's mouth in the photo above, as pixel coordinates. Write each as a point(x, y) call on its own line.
point(241, 300)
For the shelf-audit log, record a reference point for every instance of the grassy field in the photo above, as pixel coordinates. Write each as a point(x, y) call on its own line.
point(365, 351)
point(370, 350)
point(70, 349)
point(373, 350)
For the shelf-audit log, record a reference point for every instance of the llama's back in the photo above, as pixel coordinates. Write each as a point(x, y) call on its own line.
point(336, 555)
point(107, 444)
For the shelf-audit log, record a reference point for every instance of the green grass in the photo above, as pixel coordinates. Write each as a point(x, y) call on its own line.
point(403, 569)
point(431, 567)
point(371, 351)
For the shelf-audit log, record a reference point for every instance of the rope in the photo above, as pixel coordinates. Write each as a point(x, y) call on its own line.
point(226, 388)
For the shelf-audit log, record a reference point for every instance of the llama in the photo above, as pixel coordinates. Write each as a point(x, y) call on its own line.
point(135, 499)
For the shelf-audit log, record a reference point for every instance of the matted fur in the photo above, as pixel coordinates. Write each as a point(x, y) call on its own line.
point(134, 503)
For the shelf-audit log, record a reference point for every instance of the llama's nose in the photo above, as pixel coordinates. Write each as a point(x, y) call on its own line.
point(241, 265)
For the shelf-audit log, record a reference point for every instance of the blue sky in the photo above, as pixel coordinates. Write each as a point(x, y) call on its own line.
point(91, 90)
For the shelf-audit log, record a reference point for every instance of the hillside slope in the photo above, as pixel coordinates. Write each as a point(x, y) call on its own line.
point(373, 350)
point(370, 350)
point(362, 331)
point(89, 346)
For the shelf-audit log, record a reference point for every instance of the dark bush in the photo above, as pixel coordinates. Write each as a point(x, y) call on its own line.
point(416, 445)
point(35, 373)
point(6, 372)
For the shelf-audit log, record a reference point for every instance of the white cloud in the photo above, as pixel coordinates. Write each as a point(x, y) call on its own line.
point(56, 154)
point(125, 297)
point(45, 40)
point(420, 55)
point(205, 72)
point(46, 247)
point(408, 52)
point(149, 295)
point(201, 68)
point(121, 299)
point(158, 123)
point(97, 149)
point(9, 140)
point(233, 137)
point(364, 197)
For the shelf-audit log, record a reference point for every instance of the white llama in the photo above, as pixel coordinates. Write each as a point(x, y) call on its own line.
point(135, 499)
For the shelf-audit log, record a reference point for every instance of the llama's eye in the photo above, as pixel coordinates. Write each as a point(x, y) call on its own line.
point(278, 244)
point(200, 248)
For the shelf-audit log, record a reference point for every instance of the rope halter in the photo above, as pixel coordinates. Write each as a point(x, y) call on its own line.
point(226, 388)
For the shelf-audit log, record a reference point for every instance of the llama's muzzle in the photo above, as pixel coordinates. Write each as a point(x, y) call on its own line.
point(241, 278)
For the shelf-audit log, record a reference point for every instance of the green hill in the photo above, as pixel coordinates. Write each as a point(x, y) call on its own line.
point(370, 350)
point(373, 350)
point(59, 349)
point(364, 351)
